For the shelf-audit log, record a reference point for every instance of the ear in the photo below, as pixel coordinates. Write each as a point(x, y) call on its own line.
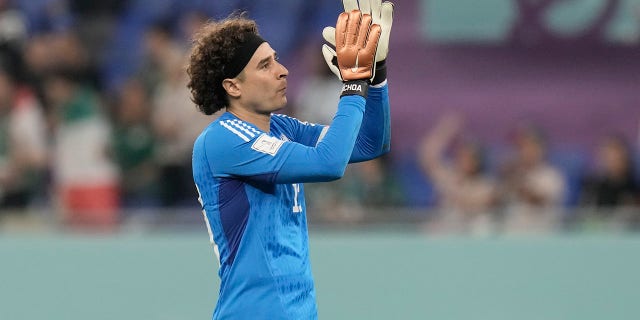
point(232, 87)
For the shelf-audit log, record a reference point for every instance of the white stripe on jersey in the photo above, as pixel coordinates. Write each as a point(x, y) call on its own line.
point(322, 134)
point(306, 123)
point(238, 133)
point(242, 126)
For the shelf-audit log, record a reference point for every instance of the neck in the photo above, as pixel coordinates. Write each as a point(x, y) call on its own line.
point(260, 120)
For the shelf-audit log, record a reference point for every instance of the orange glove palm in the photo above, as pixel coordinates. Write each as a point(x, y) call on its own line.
point(356, 45)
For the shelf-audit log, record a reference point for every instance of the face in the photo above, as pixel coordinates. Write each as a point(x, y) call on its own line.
point(6, 91)
point(262, 85)
point(133, 103)
point(613, 158)
point(466, 160)
point(531, 151)
point(58, 91)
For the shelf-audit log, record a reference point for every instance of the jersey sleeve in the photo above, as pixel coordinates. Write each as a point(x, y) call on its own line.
point(259, 157)
point(374, 138)
point(302, 132)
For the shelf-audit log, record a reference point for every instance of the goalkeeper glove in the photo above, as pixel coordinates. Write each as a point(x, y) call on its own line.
point(356, 44)
point(382, 14)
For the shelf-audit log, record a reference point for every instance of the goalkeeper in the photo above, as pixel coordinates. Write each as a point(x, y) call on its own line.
point(249, 164)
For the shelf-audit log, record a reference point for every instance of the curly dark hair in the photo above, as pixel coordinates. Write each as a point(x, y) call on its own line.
point(213, 47)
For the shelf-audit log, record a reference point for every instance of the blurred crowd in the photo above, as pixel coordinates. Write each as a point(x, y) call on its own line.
point(467, 186)
point(96, 121)
point(523, 191)
point(95, 115)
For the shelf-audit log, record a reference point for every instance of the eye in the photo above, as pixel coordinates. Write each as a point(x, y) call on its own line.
point(266, 65)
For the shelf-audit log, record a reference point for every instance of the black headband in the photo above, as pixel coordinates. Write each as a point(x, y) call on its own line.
point(242, 54)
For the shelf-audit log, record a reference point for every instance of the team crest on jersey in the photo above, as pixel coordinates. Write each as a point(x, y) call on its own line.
point(267, 144)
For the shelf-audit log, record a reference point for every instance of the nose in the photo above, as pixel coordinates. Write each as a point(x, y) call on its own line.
point(282, 71)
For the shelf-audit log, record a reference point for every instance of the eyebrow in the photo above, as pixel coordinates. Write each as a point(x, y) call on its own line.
point(265, 60)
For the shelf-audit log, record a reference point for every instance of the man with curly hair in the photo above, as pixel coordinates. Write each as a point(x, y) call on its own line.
point(250, 163)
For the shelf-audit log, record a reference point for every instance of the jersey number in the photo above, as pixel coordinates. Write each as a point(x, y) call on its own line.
point(297, 208)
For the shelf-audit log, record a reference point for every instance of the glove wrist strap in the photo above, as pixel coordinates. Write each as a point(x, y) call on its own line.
point(355, 87)
point(381, 72)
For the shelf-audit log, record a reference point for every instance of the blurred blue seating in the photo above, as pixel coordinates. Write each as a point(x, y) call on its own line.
point(636, 160)
point(41, 16)
point(284, 23)
point(572, 163)
point(126, 50)
point(418, 190)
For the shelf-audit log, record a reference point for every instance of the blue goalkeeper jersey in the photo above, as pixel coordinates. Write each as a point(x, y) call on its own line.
point(250, 186)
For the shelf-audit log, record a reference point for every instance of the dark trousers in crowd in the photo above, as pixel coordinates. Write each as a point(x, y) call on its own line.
point(177, 187)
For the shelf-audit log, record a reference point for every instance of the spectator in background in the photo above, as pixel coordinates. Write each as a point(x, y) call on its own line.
point(134, 145)
point(68, 51)
point(85, 177)
point(57, 50)
point(466, 194)
point(369, 193)
point(23, 148)
point(161, 52)
point(38, 57)
point(533, 189)
point(316, 101)
point(371, 185)
point(13, 24)
point(176, 120)
point(612, 189)
point(368, 184)
point(188, 24)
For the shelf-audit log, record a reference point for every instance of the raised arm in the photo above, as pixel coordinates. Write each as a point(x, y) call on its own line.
point(375, 134)
point(269, 159)
point(374, 137)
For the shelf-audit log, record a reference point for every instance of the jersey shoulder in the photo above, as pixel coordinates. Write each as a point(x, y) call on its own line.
point(232, 130)
point(288, 121)
point(229, 138)
point(225, 133)
point(295, 130)
point(223, 136)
